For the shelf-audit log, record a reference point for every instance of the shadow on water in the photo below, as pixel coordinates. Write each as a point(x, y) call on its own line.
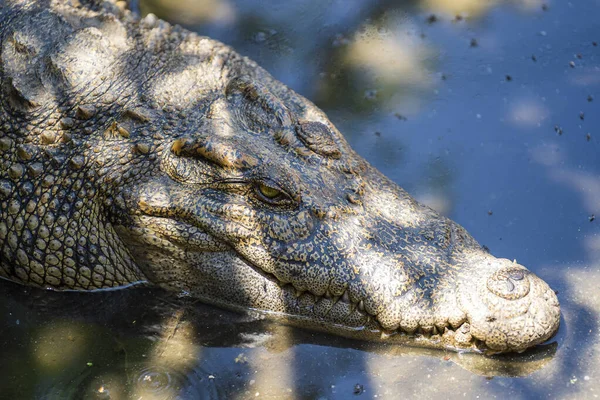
point(119, 344)
point(149, 343)
point(474, 109)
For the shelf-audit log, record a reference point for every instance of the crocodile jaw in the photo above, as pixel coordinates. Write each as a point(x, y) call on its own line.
point(496, 306)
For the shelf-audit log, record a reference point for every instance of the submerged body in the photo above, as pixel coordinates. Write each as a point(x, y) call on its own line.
point(138, 152)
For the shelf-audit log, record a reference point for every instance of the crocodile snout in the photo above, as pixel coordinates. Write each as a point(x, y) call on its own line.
point(512, 309)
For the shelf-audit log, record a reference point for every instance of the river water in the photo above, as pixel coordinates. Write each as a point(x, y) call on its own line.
point(488, 111)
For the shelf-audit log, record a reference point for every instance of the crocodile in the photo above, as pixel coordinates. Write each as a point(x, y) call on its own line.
point(135, 152)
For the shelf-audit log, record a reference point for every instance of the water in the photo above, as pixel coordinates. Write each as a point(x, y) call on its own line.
point(481, 110)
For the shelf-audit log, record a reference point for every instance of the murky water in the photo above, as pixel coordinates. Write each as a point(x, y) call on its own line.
point(488, 111)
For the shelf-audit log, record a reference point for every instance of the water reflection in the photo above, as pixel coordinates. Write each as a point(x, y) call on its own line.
point(188, 12)
point(380, 61)
point(471, 8)
point(527, 113)
point(151, 345)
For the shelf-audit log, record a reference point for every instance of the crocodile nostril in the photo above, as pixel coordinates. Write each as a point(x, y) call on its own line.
point(509, 283)
point(517, 275)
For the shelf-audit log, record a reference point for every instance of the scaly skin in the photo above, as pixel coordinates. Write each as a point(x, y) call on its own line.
point(137, 152)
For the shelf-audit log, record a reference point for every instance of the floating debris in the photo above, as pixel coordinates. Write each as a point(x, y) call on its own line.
point(241, 359)
point(358, 389)
point(432, 19)
point(534, 58)
point(558, 129)
point(581, 115)
point(474, 43)
point(490, 212)
point(588, 137)
point(371, 94)
point(572, 64)
point(592, 218)
point(400, 116)
point(508, 78)
point(590, 98)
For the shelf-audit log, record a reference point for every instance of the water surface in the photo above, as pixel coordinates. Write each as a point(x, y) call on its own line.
point(487, 111)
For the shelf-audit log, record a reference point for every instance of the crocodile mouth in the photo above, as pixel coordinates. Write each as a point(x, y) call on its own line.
point(468, 335)
point(461, 336)
point(341, 315)
point(456, 337)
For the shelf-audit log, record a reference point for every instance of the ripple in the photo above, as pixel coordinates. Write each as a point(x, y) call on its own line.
point(157, 380)
point(150, 382)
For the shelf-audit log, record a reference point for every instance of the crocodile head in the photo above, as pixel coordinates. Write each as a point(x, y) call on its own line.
point(137, 151)
point(265, 206)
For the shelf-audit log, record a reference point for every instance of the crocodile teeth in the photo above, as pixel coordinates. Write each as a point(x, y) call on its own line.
point(385, 335)
point(345, 297)
point(361, 305)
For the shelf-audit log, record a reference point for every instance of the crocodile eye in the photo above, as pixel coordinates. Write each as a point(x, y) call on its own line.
point(270, 194)
point(268, 191)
